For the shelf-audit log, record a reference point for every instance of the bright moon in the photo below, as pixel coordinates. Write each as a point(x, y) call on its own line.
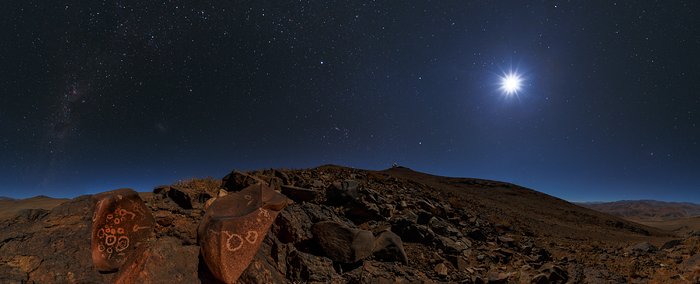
point(510, 83)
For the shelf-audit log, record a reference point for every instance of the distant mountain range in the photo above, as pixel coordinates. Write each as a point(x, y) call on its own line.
point(649, 210)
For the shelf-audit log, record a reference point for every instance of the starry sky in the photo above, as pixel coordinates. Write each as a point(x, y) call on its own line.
point(97, 95)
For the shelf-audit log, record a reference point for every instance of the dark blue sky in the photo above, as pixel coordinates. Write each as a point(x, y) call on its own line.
point(99, 95)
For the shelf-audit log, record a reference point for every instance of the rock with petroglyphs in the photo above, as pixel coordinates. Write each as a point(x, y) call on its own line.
point(234, 227)
point(121, 222)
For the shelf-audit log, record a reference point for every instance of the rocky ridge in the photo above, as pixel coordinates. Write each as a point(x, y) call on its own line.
point(357, 226)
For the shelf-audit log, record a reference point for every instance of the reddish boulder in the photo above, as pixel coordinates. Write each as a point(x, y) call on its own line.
point(120, 223)
point(234, 227)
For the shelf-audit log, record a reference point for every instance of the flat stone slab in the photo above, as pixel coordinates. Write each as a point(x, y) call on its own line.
point(121, 222)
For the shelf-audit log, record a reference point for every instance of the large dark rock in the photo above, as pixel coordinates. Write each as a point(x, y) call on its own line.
point(120, 223)
point(412, 232)
point(233, 228)
point(300, 194)
point(293, 225)
point(389, 247)
point(550, 273)
point(237, 181)
point(306, 267)
point(342, 243)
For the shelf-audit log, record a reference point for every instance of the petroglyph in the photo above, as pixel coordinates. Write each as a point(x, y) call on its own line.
point(230, 246)
point(233, 228)
point(263, 212)
point(235, 242)
point(112, 236)
point(251, 237)
point(121, 221)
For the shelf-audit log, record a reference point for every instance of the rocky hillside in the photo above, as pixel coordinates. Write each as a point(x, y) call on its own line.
point(358, 226)
point(9, 207)
point(650, 210)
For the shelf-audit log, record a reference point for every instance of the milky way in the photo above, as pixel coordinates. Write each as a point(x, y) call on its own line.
point(111, 94)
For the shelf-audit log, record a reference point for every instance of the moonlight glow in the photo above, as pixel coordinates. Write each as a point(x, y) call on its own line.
point(511, 83)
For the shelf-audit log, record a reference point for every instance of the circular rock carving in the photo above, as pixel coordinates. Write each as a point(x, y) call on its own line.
point(110, 240)
point(251, 236)
point(230, 246)
point(122, 243)
point(101, 233)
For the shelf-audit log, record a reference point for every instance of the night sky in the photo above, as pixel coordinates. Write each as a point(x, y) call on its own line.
point(97, 95)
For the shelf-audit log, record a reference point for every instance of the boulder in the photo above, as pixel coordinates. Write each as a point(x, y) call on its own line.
point(233, 228)
point(342, 243)
point(642, 248)
point(441, 270)
point(343, 191)
point(412, 232)
point(359, 203)
point(389, 247)
point(304, 267)
point(550, 273)
point(164, 261)
point(672, 244)
point(237, 181)
point(120, 223)
point(293, 225)
point(299, 194)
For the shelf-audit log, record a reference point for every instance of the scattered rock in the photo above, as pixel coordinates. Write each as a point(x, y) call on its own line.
point(343, 191)
point(671, 244)
point(495, 277)
point(411, 232)
point(121, 222)
point(691, 264)
point(342, 243)
point(441, 270)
